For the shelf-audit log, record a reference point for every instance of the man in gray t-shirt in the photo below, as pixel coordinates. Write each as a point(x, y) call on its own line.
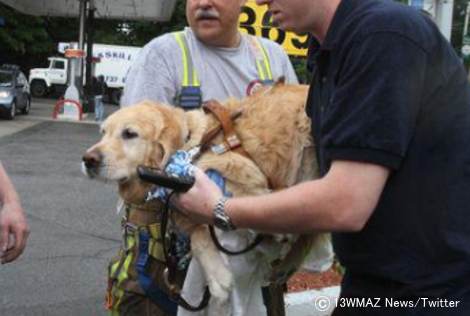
point(223, 72)
point(227, 64)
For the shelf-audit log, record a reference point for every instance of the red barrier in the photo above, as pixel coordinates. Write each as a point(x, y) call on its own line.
point(60, 104)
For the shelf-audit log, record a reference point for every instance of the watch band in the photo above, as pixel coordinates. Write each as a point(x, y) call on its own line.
point(221, 219)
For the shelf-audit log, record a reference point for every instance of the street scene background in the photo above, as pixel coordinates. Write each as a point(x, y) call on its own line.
point(74, 226)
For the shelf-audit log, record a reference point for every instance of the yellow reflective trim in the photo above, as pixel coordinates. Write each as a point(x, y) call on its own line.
point(155, 246)
point(195, 80)
point(156, 250)
point(114, 268)
point(123, 273)
point(184, 54)
point(115, 308)
point(266, 63)
point(259, 65)
point(154, 230)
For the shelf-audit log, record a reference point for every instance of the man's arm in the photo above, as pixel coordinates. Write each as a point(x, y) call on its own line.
point(343, 200)
point(12, 220)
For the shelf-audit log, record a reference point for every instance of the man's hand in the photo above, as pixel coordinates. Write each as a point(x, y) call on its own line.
point(200, 200)
point(14, 231)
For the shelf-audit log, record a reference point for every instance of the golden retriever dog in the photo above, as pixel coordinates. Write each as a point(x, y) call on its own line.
point(274, 130)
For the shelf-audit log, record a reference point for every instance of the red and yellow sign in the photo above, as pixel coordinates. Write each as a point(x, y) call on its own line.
point(256, 20)
point(74, 53)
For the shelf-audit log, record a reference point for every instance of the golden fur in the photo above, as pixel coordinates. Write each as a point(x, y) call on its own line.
point(273, 128)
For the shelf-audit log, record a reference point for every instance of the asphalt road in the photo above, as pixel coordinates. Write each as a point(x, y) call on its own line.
point(74, 226)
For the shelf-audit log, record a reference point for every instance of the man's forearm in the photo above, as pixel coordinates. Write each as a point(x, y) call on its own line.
point(307, 207)
point(343, 200)
point(7, 190)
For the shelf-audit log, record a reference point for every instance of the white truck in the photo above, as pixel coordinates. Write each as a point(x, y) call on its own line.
point(113, 65)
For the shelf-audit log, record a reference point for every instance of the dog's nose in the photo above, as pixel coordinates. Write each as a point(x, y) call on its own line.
point(92, 159)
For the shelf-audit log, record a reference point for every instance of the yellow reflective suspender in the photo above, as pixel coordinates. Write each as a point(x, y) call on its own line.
point(190, 95)
point(190, 77)
point(262, 60)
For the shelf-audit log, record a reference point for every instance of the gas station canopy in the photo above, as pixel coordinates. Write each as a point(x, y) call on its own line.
point(156, 10)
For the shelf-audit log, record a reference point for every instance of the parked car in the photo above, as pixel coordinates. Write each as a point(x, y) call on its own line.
point(14, 92)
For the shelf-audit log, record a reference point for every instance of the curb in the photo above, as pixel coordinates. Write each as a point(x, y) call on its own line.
point(312, 303)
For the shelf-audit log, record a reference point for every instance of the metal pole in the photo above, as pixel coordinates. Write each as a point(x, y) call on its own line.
point(81, 45)
point(89, 56)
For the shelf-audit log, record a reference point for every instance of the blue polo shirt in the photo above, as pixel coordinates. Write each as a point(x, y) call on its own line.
point(389, 89)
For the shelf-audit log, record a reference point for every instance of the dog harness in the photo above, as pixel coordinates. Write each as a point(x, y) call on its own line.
point(190, 96)
point(140, 253)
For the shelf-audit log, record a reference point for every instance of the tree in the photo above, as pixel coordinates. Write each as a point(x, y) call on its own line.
point(138, 33)
point(22, 38)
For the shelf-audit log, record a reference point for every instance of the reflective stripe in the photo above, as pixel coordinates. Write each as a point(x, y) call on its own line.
point(267, 65)
point(262, 60)
point(259, 65)
point(117, 295)
point(124, 269)
point(155, 242)
point(190, 77)
point(123, 275)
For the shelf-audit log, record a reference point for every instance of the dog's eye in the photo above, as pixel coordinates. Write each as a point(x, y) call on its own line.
point(129, 134)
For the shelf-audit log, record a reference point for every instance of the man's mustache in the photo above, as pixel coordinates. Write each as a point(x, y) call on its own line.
point(207, 14)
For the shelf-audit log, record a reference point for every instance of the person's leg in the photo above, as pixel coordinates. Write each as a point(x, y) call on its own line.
point(273, 297)
point(101, 114)
point(97, 106)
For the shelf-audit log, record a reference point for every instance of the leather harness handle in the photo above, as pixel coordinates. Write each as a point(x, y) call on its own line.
point(223, 116)
point(231, 140)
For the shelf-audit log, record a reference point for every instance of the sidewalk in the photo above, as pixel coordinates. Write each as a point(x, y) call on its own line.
point(42, 109)
point(312, 303)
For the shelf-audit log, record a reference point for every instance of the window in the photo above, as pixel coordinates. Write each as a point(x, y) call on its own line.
point(58, 64)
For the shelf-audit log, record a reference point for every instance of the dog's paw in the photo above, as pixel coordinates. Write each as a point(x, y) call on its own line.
point(219, 308)
point(220, 284)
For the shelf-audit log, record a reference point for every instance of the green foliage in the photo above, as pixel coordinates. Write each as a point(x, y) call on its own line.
point(138, 33)
point(28, 40)
point(300, 67)
point(22, 34)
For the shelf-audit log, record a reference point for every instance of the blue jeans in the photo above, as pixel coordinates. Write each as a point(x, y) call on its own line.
point(99, 108)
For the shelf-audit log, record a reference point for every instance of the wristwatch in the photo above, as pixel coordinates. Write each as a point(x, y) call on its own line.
point(221, 219)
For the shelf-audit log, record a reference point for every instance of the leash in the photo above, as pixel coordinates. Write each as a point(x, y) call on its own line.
point(170, 272)
point(259, 238)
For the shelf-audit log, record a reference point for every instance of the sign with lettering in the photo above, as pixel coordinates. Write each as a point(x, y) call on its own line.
point(256, 20)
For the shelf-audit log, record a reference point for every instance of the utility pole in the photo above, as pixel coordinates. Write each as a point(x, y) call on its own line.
point(81, 46)
point(90, 31)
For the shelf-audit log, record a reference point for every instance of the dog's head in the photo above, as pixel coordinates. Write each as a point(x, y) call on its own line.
point(144, 134)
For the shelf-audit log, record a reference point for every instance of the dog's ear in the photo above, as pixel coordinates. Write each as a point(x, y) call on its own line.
point(170, 137)
point(280, 81)
point(156, 155)
point(165, 150)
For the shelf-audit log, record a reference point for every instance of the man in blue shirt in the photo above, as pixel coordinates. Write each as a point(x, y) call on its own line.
point(390, 110)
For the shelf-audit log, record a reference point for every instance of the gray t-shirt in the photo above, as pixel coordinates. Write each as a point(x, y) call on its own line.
point(157, 72)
